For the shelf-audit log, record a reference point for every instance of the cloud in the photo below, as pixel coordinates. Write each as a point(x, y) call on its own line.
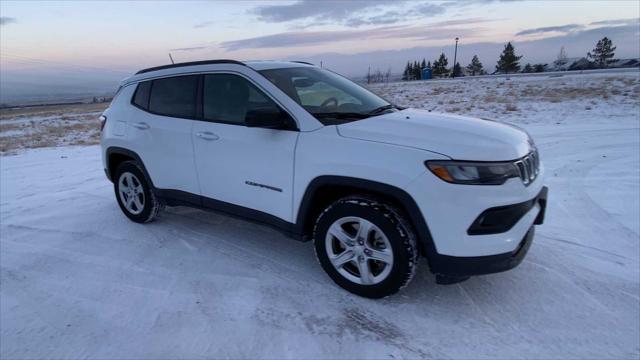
point(203, 24)
point(347, 13)
point(4, 20)
point(319, 10)
point(465, 3)
point(435, 31)
point(356, 13)
point(393, 16)
point(617, 22)
point(562, 29)
point(571, 28)
point(193, 48)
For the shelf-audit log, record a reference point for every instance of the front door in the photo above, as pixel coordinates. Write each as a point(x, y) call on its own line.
point(239, 165)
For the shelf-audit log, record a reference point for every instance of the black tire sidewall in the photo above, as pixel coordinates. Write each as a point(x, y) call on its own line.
point(145, 215)
point(404, 256)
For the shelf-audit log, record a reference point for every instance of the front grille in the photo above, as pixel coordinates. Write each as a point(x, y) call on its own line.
point(529, 167)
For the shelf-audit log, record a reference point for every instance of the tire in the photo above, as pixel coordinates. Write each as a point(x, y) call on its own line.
point(392, 255)
point(144, 206)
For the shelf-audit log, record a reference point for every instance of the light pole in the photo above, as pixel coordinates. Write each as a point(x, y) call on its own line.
point(455, 56)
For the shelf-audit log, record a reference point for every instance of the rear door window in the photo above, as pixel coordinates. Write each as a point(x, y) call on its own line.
point(174, 96)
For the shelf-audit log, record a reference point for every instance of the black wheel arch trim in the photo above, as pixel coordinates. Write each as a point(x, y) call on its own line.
point(401, 196)
point(131, 154)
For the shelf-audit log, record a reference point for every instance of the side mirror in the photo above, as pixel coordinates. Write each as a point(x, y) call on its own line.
point(269, 118)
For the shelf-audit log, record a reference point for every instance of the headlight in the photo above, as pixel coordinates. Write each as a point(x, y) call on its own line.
point(473, 173)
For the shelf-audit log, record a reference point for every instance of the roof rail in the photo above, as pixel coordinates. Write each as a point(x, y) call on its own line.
point(191, 63)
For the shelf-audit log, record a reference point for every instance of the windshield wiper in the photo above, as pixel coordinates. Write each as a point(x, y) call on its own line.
point(380, 109)
point(353, 115)
point(341, 115)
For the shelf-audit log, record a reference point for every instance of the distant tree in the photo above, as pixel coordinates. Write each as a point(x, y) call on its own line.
point(603, 53)
point(508, 62)
point(407, 70)
point(457, 70)
point(539, 68)
point(417, 73)
point(378, 76)
point(475, 67)
point(429, 65)
point(527, 68)
point(561, 60)
point(423, 64)
point(387, 74)
point(440, 65)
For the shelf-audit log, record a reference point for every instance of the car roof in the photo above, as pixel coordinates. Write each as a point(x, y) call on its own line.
point(274, 64)
point(206, 65)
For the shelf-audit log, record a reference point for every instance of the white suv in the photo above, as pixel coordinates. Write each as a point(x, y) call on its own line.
point(319, 157)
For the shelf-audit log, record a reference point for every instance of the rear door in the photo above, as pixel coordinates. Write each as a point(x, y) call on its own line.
point(161, 131)
point(245, 166)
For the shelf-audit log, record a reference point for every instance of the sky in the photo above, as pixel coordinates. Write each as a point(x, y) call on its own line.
point(92, 44)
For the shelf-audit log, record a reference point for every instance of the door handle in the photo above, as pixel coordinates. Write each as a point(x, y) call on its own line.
point(207, 135)
point(141, 125)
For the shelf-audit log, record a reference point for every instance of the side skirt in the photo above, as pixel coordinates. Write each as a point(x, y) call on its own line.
point(182, 198)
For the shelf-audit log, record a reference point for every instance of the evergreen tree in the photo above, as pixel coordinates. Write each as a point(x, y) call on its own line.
point(508, 62)
point(527, 68)
point(417, 74)
point(424, 64)
point(440, 65)
point(429, 64)
point(457, 70)
point(475, 67)
point(603, 53)
point(405, 73)
point(539, 68)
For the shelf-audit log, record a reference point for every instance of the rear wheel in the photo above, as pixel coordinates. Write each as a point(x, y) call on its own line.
point(366, 246)
point(133, 193)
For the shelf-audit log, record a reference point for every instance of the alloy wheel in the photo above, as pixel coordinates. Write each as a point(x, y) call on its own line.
point(359, 250)
point(131, 193)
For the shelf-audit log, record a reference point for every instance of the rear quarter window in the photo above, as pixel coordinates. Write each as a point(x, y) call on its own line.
point(141, 96)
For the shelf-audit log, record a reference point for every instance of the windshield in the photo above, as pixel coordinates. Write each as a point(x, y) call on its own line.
point(329, 97)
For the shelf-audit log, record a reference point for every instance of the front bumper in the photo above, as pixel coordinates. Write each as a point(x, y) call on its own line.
point(449, 211)
point(501, 219)
point(457, 266)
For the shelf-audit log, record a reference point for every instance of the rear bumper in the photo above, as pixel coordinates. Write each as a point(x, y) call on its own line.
point(459, 266)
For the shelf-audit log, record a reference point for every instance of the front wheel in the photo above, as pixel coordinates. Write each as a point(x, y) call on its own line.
point(366, 246)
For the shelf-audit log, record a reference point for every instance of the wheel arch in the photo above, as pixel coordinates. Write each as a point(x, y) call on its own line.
point(324, 190)
point(117, 155)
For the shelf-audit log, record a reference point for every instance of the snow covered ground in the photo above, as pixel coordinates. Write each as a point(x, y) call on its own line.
point(78, 280)
point(47, 126)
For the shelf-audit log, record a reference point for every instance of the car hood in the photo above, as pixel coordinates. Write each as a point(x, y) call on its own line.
point(458, 137)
